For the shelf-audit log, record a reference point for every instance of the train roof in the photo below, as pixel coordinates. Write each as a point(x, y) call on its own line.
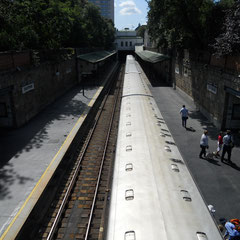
point(152, 57)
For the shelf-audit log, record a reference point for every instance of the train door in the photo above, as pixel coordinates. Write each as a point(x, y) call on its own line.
point(6, 108)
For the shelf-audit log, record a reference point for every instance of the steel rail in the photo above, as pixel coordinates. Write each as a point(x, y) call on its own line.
point(75, 175)
point(101, 167)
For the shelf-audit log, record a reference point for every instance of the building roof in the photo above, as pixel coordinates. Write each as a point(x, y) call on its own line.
point(128, 37)
point(95, 57)
point(151, 57)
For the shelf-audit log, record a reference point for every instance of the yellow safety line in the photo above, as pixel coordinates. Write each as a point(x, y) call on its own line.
point(34, 189)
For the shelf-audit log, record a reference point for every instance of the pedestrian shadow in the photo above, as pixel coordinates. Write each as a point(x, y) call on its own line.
point(190, 129)
point(233, 165)
point(213, 161)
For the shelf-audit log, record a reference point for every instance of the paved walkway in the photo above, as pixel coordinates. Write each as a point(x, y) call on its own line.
point(218, 182)
point(27, 152)
point(29, 155)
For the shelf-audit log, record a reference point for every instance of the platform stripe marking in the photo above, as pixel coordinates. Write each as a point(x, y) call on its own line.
point(81, 118)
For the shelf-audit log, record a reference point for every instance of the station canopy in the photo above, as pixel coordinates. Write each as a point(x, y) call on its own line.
point(95, 57)
point(151, 57)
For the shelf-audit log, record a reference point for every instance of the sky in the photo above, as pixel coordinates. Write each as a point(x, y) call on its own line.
point(129, 13)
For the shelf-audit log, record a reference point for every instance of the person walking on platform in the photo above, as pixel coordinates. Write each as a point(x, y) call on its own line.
point(203, 144)
point(184, 114)
point(231, 231)
point(220, 142)
point(227, 146)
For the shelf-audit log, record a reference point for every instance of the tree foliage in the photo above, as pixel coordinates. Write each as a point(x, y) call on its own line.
point(229, 41)
point(52, 24)
point(186, 23)
point(141, 30)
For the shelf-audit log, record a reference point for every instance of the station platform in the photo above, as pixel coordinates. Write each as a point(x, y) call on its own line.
point(218, 182)
point(29, 155)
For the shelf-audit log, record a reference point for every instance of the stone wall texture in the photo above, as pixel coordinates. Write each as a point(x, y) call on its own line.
point(206, 81)
point(31, 90)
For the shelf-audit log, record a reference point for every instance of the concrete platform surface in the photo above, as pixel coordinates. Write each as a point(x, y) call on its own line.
point(29, 153)
point(217, 181)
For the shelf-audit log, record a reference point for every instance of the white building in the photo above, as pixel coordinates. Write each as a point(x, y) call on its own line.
point(106, 8)
point(127, 40)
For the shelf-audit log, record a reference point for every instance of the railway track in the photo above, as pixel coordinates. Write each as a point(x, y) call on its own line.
point(78, 209)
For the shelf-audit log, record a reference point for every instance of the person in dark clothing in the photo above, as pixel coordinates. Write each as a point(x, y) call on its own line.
point(227, 146)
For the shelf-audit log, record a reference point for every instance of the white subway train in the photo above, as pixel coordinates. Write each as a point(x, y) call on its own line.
point(153, 194)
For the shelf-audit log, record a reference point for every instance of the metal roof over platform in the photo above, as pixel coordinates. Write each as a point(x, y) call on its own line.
point(95, 57)
point(151, 57)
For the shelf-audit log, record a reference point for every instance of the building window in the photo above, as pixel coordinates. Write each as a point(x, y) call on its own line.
point(236, 112)
point(122, 44)
point(130, 44)
point(126, 44)
point(3, 110)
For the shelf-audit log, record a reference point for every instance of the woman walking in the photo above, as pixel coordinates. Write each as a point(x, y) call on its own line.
point(220, 143)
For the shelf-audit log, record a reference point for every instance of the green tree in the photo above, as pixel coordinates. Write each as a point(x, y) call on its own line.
point(228, 42)
point(52, 24)
point(108, 33)
point(141, 30)
point(185, 24)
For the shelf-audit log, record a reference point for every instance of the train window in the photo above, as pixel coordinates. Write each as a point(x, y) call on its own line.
point(186, 196)
point(170, 142)
point(129, 148)
point(165, 130)
point(175, 167)
point(201, 236)
point(129, 167)
point(129, 194)
point(3, 110)
point(176, 160)
point(128, 134)
point(128, 124)
point(167, 148)
point(129, 235)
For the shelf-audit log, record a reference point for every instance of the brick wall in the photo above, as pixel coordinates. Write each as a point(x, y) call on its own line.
point(10, 60)
point(33, 89)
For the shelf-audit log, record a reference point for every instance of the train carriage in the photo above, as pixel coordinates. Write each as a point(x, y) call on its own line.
point(154, 195)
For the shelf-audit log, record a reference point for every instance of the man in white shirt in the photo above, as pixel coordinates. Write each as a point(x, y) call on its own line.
point(184, 113)
point(203, 144)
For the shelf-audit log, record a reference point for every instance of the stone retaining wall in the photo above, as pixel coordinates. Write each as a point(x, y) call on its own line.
point(206, 84)
point(26, 92)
